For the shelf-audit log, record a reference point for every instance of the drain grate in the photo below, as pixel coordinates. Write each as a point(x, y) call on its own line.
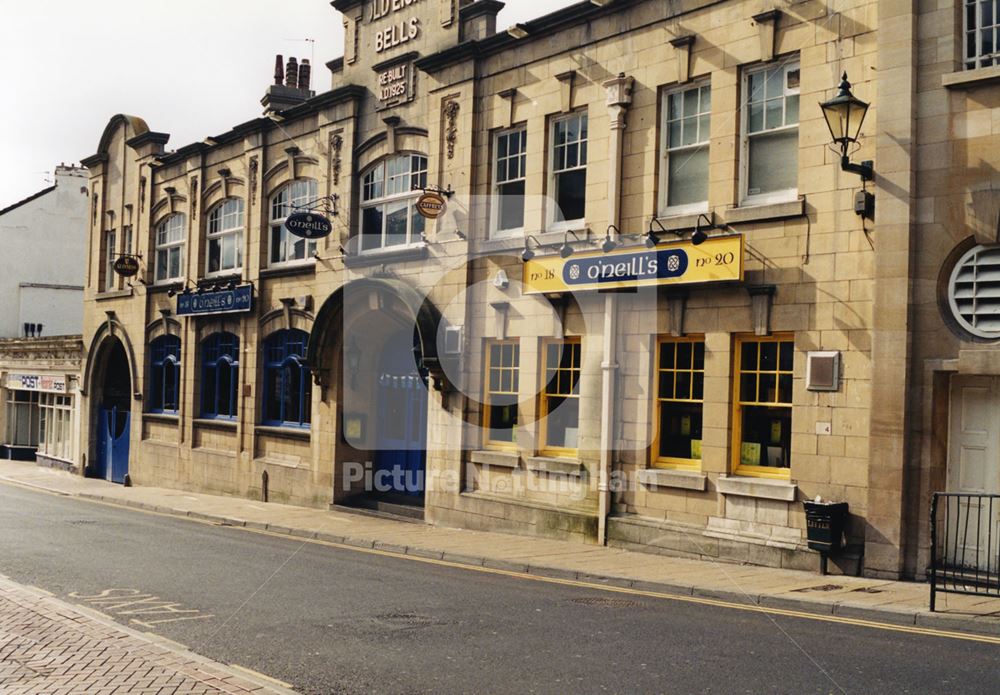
point(821, 587)
point(605, 602)
point(81, 522)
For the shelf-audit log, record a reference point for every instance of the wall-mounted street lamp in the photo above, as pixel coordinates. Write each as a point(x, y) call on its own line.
point(844, 115)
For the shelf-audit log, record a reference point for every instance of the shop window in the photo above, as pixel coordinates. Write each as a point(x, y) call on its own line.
point(22, 418)
point(771, 133)
point(568, 184)
point(762, 423)
point(680, 388)
point(503, 362)
point(55, 437)
point(110, 254)
point(559, 408)
point(285, 247)
point(287, 385)
point(225, 237)
point(164, 374)
point(981, 24)
point(389, 191)
point(170, 249)
point(220, 368)
point(686, 126)
point(510, 155)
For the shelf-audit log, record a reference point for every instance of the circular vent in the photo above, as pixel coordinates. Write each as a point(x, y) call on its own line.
point(974, 291)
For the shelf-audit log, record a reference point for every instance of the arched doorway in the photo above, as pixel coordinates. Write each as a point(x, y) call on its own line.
point(401, 432)
point(112, 413)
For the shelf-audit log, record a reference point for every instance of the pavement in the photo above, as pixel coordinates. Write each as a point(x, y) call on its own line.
point(896, 602)
point(48, 646)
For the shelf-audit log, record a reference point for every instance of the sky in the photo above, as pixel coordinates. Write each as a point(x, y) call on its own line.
point(191, 68)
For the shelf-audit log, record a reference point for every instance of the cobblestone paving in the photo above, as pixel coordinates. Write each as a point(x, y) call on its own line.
point(48, 647)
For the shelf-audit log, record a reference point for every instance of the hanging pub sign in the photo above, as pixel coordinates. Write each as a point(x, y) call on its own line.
point(126, 265)
point(718, 259)
point(431, 205)
point(308, 225)
point(228, 301)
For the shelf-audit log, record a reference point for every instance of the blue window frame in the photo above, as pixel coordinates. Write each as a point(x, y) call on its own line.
point(220, 369)
point(164, 374)
point(287, 389)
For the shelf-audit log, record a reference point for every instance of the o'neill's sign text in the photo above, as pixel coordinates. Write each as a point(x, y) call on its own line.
point(236, 300)
point(719, 259)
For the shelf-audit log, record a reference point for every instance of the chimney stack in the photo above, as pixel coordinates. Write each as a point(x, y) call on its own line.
point(291, 85)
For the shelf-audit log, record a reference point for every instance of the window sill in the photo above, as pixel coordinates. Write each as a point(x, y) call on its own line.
point(285, 270)
point(219, 423)
point(222, 276)
point(571, 468)
point(759, 212)
point(299, 433)
point(969, 79)
point(761, 488)
point(668, 477)
point(496, 459)
point(113, 294)
point(162, 417)
point(501, 244)
point(407, 253)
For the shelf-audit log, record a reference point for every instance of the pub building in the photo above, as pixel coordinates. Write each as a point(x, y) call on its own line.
point(595, 277)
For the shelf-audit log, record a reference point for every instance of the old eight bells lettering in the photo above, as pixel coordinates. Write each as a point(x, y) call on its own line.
point(401, 30)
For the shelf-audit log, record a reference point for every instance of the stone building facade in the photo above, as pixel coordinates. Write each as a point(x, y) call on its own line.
point(508, 364)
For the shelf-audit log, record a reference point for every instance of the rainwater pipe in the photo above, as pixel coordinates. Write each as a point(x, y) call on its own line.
point(619, 97)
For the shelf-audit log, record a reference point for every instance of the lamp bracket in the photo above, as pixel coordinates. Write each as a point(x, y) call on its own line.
point(866, 169)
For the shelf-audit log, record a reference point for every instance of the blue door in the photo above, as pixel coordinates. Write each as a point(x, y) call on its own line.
point(112, 444)
point(402, 423)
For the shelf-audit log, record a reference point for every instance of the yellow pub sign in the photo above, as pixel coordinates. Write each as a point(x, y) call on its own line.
point(718, 259)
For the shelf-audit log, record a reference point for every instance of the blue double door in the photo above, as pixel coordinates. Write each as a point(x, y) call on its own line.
point(113, 426)
point(401, 457)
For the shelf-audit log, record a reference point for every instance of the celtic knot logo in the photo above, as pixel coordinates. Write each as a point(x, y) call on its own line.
point(574, 272)
point(673, 263)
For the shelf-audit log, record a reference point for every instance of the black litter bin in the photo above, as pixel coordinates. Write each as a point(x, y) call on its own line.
point(825, 523)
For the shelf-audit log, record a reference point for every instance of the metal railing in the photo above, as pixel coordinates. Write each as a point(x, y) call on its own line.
point(965, 544)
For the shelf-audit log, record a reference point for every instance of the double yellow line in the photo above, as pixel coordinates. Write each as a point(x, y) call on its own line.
point(718, 603)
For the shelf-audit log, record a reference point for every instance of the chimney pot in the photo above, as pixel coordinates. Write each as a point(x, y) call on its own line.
point(305, 72)
point(279, 69)
point(292, 73)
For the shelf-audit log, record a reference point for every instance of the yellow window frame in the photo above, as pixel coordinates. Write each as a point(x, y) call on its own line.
point(544, 395)
point(514, 371)
point(738, 404)
point(658, 461)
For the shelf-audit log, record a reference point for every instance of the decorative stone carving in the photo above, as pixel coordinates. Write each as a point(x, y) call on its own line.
point(336, 148)
point(254, 167)
point(451, 109)
point(194, 197)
